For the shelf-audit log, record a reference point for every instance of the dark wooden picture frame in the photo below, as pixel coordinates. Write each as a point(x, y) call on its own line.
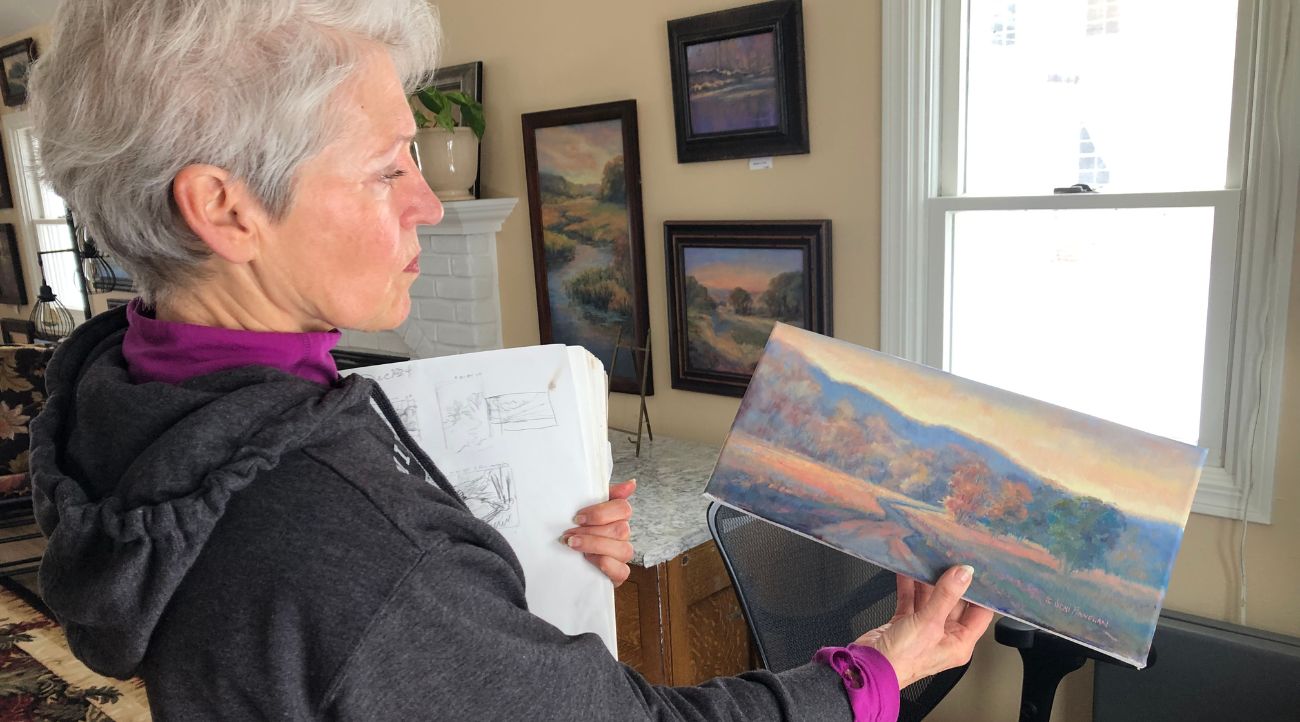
point(12, 288)
point(588, 233)
point(15, 67)
point(739, 89)
point(6, 191)
point(787, 265)
point(468, 79)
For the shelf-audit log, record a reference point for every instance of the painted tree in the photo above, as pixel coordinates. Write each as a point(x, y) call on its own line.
point(968, 493)
point(697, 296)
point(613, 183)
point(1011, 507)
point(783, 298)
point(1082, 530)
point(741, 301)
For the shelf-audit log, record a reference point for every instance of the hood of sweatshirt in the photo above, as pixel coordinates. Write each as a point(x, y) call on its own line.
point(129, 480)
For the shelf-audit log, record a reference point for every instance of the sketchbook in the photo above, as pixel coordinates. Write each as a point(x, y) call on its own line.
point(521, 434)
point(1071, 522)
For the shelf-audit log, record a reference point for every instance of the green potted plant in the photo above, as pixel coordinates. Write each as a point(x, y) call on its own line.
point(447, 149)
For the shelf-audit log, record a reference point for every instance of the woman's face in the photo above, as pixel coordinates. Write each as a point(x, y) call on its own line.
point(347, 252)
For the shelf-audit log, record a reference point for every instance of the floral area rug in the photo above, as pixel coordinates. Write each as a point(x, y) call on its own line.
point(41, 680)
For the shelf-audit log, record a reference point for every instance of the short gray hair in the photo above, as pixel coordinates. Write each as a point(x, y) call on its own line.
point(132, 91)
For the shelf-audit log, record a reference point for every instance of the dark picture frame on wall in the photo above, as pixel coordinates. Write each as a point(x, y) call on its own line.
point(468, 79)
point(12, 288)
point(6, 192)
point(15, 69)
point(583, 167)
point(729, 282)
point(739, 89)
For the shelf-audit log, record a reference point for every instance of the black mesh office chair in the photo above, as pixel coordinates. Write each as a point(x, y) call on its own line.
point(799, 595)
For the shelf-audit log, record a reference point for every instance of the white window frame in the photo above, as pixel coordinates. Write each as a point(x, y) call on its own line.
point(27, 196)
point(1254, 228)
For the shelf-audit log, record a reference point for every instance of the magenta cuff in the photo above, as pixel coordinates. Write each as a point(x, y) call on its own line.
point(869, 680)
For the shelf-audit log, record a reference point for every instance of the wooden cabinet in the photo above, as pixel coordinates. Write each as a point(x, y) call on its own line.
point(679, 622)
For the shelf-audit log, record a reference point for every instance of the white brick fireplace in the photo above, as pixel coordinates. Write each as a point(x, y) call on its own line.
point(455, 306)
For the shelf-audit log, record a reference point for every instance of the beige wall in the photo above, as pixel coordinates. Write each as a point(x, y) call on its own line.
point(563, 53)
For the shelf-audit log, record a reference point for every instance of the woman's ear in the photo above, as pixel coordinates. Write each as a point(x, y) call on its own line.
point(219, 210)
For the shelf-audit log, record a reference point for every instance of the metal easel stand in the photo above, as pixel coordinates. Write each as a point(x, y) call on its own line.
point(643, 415)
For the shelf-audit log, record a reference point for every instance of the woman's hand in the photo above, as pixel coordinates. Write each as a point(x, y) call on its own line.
point(603, 531)
point(933, 629)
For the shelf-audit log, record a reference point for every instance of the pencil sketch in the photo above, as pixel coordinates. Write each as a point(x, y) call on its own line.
point(464, 413)
point(408, 410)
point(520, 412)
point(471, 418)
point(489, 492)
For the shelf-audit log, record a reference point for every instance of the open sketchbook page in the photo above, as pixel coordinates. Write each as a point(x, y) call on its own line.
point(521, 435)
point(1071, 522)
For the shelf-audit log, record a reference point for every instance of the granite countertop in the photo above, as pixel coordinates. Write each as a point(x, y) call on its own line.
point(668, 511)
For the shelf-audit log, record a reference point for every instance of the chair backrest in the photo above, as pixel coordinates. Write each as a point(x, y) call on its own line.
point(799, 595)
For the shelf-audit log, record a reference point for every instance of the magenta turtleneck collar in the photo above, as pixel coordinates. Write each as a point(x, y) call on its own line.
point(174, 352)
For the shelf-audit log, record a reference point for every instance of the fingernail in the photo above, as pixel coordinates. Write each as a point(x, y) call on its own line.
point(965, 572)
point(574, 542)
point(580, 519)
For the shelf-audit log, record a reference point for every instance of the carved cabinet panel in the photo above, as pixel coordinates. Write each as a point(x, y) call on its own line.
point(679, 622)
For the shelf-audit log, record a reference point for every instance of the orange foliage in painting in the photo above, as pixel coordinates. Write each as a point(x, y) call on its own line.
point(968, 496)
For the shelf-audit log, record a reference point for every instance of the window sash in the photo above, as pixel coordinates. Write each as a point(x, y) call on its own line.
point(920, 107)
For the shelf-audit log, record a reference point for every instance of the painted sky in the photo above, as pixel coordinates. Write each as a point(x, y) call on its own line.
point(748, 53)
point(750, 269)
point(579, 152)
point(1139, 472)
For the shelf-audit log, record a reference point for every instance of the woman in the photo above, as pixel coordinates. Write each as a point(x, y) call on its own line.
point(224, 515)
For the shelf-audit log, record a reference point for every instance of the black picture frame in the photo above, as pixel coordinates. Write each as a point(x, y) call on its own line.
point(6, 191)
point(588, 233)
point(12, 288)
point(468, 79)
point(15, 65)
point(764, 112)
point(757, 252)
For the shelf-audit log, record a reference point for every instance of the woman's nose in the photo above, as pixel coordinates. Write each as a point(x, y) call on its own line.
point(426, 209)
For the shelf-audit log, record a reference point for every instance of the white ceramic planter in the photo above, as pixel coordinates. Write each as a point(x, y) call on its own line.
point(448, 161)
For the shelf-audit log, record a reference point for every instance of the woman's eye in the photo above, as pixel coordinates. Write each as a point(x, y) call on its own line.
point(390, 177)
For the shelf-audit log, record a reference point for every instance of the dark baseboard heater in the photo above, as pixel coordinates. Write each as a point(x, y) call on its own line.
point(1205, 670)
point(350, 359)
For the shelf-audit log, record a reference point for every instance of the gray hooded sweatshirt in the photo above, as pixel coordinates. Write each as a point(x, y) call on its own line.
point(256, 546)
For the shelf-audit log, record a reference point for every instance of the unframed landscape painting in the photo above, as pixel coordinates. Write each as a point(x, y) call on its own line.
point(1071, 522)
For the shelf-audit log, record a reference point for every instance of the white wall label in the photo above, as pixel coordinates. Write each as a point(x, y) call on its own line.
point(760, 163)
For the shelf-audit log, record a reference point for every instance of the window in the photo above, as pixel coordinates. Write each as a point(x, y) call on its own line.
point(45, 215)
point(1159, 302)
point(1103, 17)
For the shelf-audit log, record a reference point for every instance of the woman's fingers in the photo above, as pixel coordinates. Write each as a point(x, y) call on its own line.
point(975, 620)
point(945, 595)
point(620, 530)
point(906, 595)
point(601, 546)
point(622, 490)
point(605, 512)
point(612, 568)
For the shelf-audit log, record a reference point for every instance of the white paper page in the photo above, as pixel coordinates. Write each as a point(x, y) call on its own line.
point(513, 430)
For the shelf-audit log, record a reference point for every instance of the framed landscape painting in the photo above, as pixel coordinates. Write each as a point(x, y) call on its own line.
point(738, 82)
point(729, 283)
point(584, 202)
point(15, 67)
point(12, 288)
